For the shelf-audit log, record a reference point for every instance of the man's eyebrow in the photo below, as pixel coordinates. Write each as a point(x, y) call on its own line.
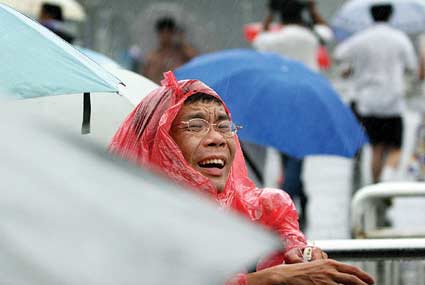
point(222, 116)
point(195, 116)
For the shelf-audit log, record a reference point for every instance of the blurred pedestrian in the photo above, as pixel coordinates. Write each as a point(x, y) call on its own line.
point(301, 35)
point(173, 50)
point(299, 39)
point(421, 49)
point(377, 59)
point(51, 16)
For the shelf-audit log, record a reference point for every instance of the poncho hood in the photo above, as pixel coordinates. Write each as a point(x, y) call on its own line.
point(145, 138)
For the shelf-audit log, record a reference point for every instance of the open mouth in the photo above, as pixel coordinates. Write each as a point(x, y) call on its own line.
point(212, 163)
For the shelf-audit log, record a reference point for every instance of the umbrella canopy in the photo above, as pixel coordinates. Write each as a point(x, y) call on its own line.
point(108, 112)
point(72, 215)
point(35, 62)
point(98, 57)
point(354, 15)
point(134, 86)
point(72, 10)
point(279, 102)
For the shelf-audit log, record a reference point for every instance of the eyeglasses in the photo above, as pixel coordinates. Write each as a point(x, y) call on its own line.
point(200, 126)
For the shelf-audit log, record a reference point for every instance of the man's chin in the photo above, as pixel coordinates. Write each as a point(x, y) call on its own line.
point(219, 184)
point(217, 181)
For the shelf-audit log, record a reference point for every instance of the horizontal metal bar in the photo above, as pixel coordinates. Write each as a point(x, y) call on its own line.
point(365, 199)
point(373, 249)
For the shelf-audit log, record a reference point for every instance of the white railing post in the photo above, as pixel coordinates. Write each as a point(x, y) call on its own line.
point(365, 221)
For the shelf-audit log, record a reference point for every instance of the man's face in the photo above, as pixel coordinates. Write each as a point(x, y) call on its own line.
point(209, 153)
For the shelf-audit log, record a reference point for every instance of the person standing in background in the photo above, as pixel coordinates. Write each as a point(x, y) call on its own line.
point(378, 58)
point(299, 39)
point(301, 34)
point(51, 17)
point(172, 51)
point(421, 48)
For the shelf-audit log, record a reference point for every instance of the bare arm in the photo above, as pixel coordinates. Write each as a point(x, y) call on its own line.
point(320, 272)
point(314, 13)
point(421, 68)
point(267, 21)
point(188, 51)
point(421, 49)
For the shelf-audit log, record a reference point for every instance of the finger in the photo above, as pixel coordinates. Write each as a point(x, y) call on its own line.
point(294, 255)
point(319, 254)
point(348, 279)
point(352, 270)
point(293, 259)
point(308, 253)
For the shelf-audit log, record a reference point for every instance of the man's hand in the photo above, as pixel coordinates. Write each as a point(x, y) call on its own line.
point(296, 255)
point(318, 272)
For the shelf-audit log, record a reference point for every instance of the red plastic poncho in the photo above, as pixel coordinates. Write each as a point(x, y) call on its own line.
point(144, 138)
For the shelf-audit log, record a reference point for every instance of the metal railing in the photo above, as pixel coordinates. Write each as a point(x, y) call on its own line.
point(388, 260)
point(385, 258)
point(365, 203)
point(374, 249)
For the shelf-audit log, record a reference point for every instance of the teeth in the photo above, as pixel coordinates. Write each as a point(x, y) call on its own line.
point(212, 161)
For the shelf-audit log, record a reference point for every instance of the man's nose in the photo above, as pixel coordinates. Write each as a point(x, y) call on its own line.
point(214, 138)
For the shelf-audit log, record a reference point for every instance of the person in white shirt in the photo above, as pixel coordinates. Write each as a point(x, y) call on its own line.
point(378, 57)
point(299, 39)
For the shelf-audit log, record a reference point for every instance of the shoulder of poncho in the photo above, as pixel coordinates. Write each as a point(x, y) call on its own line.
point(273, 192)
point(265, 192)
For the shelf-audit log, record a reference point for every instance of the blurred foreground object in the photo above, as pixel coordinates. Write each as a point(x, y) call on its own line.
point(72, 215)
point(354, 16)
point(72, 10)
point(279, 102)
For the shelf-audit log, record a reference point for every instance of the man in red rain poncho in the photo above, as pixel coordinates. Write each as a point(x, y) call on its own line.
point(184, 130)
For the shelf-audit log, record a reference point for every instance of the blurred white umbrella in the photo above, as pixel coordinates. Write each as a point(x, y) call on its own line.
point(71, 9)
point(98, 57)
point(354, 16)
point(136, 86)
point(71, 215)
point(107, 111)
point(36, 62)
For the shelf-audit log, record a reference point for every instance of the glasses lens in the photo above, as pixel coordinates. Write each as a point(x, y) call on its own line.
point(227, 128)
point(198, 125)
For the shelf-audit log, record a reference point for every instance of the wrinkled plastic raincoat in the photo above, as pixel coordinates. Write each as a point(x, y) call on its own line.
point(144, 138)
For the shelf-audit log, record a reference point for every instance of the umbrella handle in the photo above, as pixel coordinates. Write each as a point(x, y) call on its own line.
point(85, 127)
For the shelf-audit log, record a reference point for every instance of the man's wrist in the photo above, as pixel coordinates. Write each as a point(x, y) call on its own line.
point(264, 277)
